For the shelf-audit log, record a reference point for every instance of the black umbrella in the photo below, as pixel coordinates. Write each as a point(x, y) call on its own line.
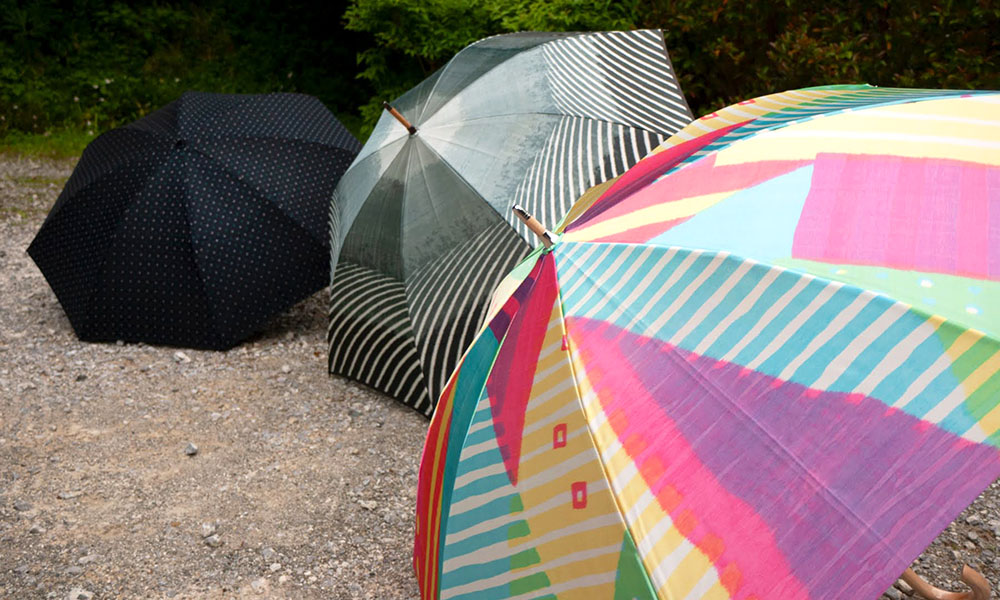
point(193, 225)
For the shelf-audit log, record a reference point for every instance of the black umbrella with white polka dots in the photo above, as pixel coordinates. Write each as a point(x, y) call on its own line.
point(192, 226)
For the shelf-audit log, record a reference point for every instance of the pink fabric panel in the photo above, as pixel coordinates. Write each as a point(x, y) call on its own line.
point(903, 213)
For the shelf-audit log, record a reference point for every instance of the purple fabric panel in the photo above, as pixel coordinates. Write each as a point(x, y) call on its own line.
point(852, 489)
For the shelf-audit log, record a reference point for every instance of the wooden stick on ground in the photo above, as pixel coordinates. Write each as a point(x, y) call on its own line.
point(980, 588)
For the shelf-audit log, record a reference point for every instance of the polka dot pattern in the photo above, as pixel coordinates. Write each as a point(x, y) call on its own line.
point(195, 224)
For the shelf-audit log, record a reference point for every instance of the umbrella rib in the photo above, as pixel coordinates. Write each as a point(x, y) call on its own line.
point(254, 192)
point(197, 266)
point(114, 231)
point(238, 102)
point(459, 177)
point(710, 388)
point(127, 161)
point(262, 195)
point(542, 113)
point(537, 47)
point(844, 508)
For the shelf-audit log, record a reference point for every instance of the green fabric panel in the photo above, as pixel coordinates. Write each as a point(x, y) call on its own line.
point(632, 582)
point(974, 303)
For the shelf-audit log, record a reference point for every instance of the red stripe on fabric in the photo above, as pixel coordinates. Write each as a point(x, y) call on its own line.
point(648, 170)
point(427, 536)
point(509, 384)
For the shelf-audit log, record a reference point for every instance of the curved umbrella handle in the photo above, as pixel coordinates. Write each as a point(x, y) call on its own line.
point(980, 588)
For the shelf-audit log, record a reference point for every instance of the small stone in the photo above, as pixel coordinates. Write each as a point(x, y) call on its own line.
point(893, 594)
point(208, 529)
point(79, 594)
point(368, 504)
point(972, 535)
point(213, 541)
point(21, 505)
point(275, 567)
point(181, 357)
point(86, 560)
point(903, 587)
point(36, 529)
point(268, 553)
point(74, 570)
point(81, 377)
point(70, 495)
point(259, 585)
point(973, 520)
point(191, 449)
point(283, 579)
point(286, 369)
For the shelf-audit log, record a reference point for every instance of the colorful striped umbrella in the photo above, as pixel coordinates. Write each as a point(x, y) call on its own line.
point(421, 225)
point(764, 363)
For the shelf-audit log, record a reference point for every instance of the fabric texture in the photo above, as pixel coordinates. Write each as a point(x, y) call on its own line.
point(528, 118)
point(769, 367)
point(194, 225)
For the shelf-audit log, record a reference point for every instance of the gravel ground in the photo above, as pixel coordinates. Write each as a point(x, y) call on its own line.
point(306, 480)
point(302, 485)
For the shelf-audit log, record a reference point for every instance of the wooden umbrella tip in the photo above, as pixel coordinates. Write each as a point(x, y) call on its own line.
point(399, 117)
point(548, 240)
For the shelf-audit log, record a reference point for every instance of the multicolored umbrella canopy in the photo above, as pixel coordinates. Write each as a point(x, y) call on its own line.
point(764, 363)
point(195, 224)
point(421, 224)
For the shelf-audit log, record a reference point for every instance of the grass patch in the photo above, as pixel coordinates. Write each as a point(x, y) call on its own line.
point(39, 182)
point(56, 144)
point(19, 212)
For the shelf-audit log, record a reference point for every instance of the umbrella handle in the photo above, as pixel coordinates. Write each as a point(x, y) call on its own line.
point(392, 111)
point(980, 588)
point(534, 225)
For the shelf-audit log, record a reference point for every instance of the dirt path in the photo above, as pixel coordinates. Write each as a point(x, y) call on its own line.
point(308, 481)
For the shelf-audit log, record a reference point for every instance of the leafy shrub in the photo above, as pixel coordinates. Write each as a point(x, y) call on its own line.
point(96, 64)
point(93, 64)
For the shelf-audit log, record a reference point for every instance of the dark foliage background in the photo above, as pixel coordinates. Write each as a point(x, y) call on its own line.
point(94, 64)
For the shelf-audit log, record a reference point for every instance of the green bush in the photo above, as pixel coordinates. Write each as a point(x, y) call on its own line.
point(725, 51)
point(94, 64)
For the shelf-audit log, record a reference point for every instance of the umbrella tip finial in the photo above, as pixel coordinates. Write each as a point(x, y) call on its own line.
point(548, 239)
point(392, 111)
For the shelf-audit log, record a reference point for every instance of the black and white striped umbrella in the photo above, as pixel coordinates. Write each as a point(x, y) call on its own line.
point(421, 226)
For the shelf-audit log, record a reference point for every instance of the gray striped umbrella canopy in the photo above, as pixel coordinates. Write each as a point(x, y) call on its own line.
point(421, 226)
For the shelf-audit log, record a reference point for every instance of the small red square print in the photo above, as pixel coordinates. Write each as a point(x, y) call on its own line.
point(579, 491)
